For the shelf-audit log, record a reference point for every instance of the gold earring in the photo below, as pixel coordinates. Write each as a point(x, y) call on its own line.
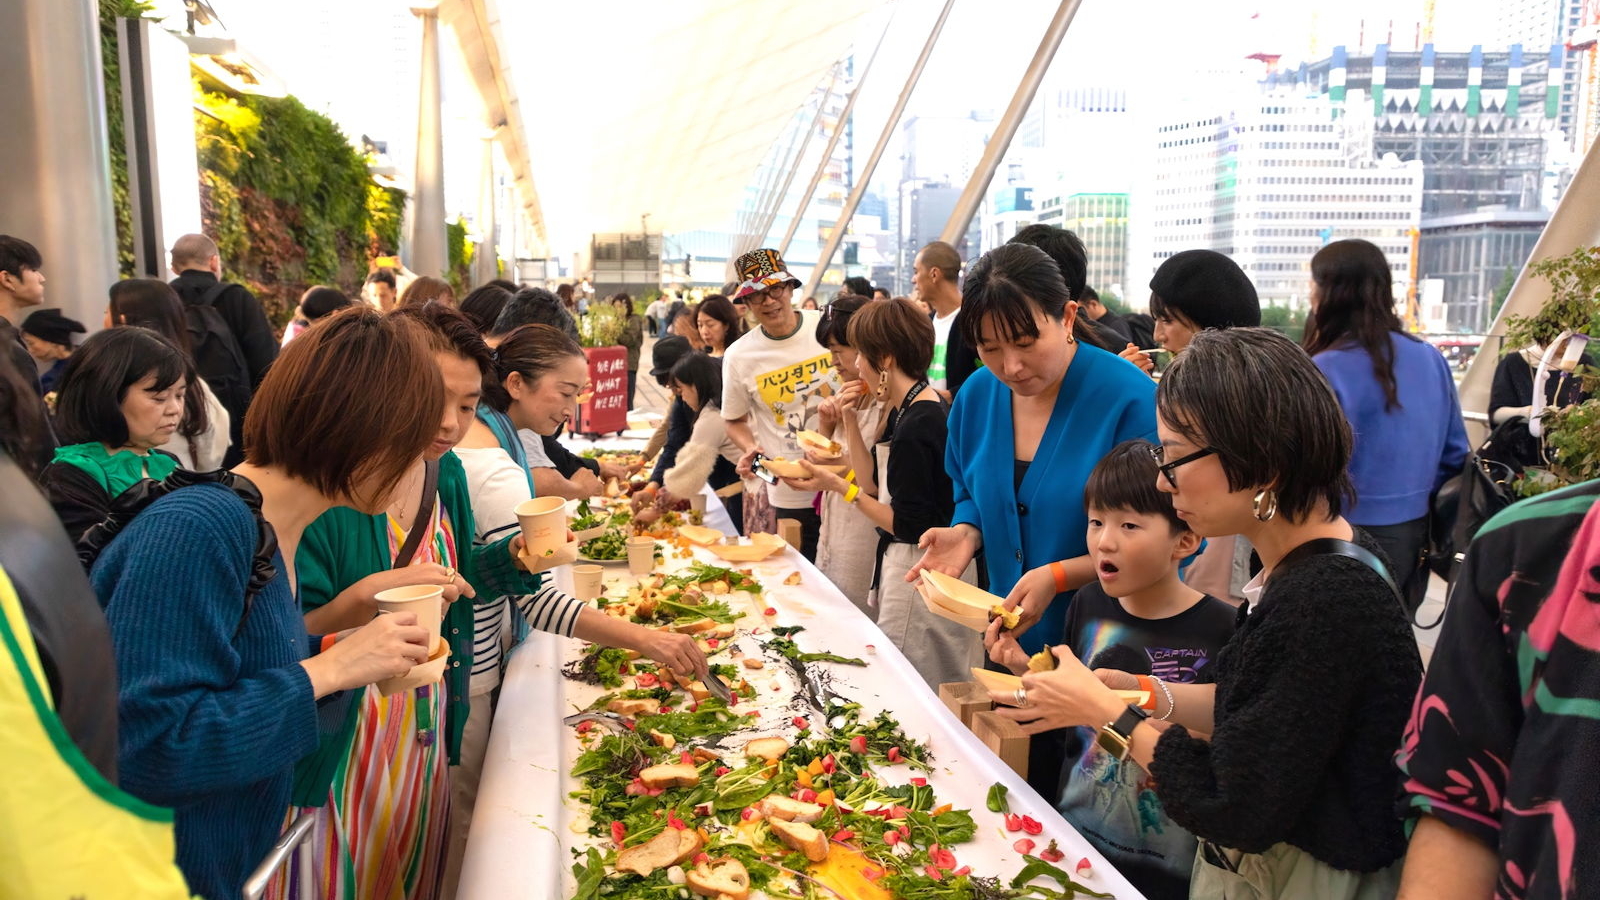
point(1071, 338)
point(883, 384)
point(1268, 498)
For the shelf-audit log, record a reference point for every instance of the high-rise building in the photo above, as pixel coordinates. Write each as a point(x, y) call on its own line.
point(1101, 221)
point(1268, 181)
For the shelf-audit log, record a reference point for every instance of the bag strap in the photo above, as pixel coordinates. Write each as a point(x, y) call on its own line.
point(1349, 550)
point(430, 494)
point(212, 293)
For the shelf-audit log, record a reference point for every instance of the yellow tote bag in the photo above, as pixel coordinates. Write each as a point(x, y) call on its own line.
point(65, 832)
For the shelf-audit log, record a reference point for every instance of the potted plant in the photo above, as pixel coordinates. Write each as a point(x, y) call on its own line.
point(1572, 433)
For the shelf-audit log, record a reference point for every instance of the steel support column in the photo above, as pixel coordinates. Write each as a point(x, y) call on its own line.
point(53, 150)
point(836, 236)
point(486, 258)
point(833, 141)
point(1006, 129)
point(770, 214)
point(425, 226)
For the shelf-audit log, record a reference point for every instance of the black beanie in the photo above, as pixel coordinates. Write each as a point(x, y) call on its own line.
point(1208, 288)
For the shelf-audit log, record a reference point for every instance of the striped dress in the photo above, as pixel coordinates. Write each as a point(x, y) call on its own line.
point(381, 835)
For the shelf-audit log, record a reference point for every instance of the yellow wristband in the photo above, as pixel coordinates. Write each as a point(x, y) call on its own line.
point(850, 477)
point(850, 495)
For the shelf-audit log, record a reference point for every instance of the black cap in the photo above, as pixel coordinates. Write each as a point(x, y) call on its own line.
point(666, 353)
point(1208, 288)
point(50, 325)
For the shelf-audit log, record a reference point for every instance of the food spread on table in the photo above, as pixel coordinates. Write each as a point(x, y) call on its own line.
point(789, 788)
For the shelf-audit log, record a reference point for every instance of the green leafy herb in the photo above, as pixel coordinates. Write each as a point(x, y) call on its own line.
point(997, 798)
point(589, 875)
point(1037, 867)
point(611, 545)
point(700, 573)
point(712, 717)
point(601, 665)
point(615, 756)
point(791, 650)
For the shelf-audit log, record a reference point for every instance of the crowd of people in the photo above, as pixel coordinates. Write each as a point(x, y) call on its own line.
point(1182, 504)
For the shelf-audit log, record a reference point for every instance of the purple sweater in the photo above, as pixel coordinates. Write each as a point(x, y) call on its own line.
point(1401, 455)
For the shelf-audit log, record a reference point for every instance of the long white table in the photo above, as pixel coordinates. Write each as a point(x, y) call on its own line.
point(522, 829)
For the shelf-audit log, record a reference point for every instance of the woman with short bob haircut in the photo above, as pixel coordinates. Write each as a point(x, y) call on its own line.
point(424, 288)
point(1397, 391)
point(893, 342)
point(123, 394)
point(202, 440)
point(219, 679)
point(1293, 792)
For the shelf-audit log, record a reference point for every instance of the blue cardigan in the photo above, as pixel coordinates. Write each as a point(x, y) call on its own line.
point(1104, 400)
point(1401, 455)
point(212, 715)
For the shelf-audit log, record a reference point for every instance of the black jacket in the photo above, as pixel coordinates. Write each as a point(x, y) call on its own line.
point(244, 315)
point(1313, 692)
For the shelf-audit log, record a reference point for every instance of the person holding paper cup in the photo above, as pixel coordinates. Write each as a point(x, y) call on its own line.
point(219, 680)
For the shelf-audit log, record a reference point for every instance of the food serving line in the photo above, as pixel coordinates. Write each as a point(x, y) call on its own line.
point(524, 826)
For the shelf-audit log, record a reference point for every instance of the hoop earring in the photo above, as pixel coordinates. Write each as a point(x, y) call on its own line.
point(883, 384)
point(1268, 498)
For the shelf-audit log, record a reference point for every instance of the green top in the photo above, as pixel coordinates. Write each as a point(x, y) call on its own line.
point(116, 472)
point(344, 546)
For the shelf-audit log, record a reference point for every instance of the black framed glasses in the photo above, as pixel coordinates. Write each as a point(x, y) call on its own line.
point(1159, 454)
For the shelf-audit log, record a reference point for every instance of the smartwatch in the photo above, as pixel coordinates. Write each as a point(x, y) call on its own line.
point(1116, 737)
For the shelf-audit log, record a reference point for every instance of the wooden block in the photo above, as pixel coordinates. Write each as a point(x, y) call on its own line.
point(965, 699)
point(789, 530)
point(1005, 738)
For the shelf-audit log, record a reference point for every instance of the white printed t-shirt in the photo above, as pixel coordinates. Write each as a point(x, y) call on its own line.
point(779, 384)
point(941, 342)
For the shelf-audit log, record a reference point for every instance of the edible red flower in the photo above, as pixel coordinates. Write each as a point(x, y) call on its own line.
point(1024, 846)
point(1052, 853)
point(1013, 822)
point(618, 832)
point(920, 782)
point(1032, 825)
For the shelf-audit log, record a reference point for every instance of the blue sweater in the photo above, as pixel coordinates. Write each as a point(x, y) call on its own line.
point(1401, 455)
point(1103, 401)
point(211, 720)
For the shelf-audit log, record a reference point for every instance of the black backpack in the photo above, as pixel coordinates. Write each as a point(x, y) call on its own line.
point(217, 355)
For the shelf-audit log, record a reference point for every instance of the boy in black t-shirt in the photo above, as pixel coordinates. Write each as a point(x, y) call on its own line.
point(1141, 618)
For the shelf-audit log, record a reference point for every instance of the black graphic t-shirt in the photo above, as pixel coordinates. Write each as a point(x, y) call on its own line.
point(1114, 805)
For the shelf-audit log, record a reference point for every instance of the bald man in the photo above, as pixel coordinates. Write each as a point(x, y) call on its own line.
point(199, 284)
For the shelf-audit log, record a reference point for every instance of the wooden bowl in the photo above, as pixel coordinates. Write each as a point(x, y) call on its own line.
point(700, 534)
point(761, 546)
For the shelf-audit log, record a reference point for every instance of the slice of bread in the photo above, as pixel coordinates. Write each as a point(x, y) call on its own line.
point(633, 707)
point(802, 837)
point(720, 879)
point(668, 848)
point(769, 749)
point(666, 776)
point(777, 806)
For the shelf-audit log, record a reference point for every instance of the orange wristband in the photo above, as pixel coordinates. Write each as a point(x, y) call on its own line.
point(1060, 572)
point(328, 640)
point(1148, 685)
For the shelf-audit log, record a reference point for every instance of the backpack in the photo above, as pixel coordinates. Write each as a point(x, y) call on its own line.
point(217, 355)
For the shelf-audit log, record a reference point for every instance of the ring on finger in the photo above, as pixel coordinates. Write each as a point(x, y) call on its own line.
point(1021, 696)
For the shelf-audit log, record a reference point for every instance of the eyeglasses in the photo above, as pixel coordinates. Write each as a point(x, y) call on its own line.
point(1159, 454)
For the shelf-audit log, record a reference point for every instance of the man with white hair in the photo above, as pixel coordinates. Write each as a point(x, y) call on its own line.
point(235, 342)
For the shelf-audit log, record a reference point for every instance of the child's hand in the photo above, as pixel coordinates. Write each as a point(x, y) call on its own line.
point(1004, 650)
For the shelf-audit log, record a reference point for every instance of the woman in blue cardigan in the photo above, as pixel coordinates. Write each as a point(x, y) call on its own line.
point(1399, 396)
point(219, 681)
point(1025, 431)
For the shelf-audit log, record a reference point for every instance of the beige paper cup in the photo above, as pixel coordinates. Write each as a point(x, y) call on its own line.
point(544, 524)
point(426, 600)
point(641, 556)
point(697, 503)
point(586, 581)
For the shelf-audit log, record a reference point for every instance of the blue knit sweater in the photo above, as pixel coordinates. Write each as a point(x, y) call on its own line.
point(1401, 455)
point(212, 715)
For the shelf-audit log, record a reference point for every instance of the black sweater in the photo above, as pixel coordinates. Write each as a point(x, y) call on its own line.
point(1313, 692)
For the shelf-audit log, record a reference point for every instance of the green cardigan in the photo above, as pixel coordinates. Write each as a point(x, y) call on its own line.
point(344, 546)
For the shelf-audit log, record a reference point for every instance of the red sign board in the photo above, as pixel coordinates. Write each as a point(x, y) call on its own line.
point(607, 408)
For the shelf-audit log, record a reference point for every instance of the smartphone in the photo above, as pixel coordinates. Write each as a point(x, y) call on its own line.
point(387, 262)
point(760, 471)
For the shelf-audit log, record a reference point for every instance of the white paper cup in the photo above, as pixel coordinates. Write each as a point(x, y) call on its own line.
point(586, 581)
point(641, 556)
point(697, 503)
point(426, 600)
point(544, 525)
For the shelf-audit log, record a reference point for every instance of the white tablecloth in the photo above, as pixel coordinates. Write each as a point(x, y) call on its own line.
point(518, 843)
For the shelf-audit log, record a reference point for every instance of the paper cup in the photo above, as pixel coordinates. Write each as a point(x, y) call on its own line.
point(544, 525)
point(697, 503)
point(586, 581)
point(641, 556)
point(426, 600)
